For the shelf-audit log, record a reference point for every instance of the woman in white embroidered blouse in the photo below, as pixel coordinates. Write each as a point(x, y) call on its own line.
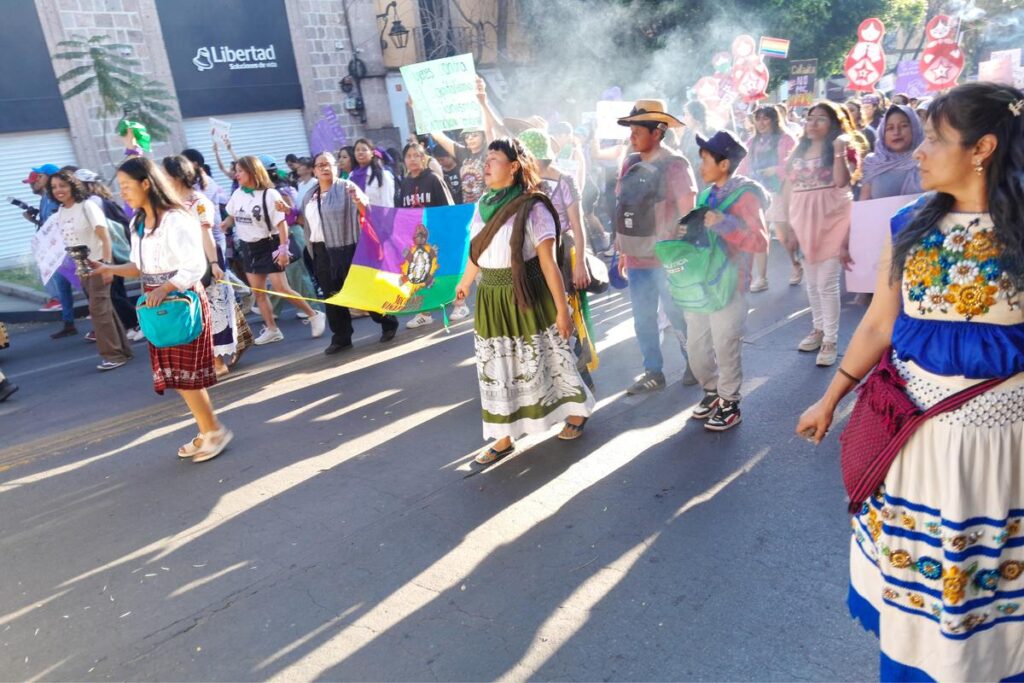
point(167, 253)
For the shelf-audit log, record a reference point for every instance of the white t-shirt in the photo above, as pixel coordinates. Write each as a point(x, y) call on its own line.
point(78, 226)
point(247, 210)
point(200, 206)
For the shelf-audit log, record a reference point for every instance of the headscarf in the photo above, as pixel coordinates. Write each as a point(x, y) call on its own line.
point(883, 160)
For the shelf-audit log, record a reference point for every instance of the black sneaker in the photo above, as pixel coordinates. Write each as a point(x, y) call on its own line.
point(6, 389)
point(726, 416)
point(648, 382)
point(706, 406)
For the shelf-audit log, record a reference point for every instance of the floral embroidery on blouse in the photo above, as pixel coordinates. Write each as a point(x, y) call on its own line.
point(958, 270)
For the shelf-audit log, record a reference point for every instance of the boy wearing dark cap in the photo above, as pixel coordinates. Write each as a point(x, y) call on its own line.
point(734, 210)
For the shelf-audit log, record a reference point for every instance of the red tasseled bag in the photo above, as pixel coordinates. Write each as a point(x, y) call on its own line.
point(883, 420)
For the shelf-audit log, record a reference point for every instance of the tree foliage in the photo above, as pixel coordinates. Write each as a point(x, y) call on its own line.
point(105, 66)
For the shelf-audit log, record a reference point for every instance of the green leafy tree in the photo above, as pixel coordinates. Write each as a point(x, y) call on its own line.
point(110, 70)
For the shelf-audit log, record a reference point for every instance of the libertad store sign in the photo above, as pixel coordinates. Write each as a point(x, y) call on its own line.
point(238, 58)
point(248, 58)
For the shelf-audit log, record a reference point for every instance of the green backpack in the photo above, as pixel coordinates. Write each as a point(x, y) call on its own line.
point(700, 279)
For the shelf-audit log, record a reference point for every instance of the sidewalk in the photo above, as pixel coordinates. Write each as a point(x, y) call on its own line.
point(20, 304)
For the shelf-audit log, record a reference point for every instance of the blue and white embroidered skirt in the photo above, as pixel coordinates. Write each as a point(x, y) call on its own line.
point(937, 555)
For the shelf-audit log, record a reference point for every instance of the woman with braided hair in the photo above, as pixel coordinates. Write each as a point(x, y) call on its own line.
point(526, 366)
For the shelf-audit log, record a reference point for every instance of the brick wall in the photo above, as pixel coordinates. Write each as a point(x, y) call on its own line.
point(320, 39)
point(322, 53)
point(131, 22)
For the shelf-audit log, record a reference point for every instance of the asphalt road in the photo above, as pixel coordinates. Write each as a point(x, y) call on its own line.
point(344, 535)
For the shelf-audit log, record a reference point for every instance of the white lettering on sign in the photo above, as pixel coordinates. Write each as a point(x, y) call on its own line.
point(251, 57)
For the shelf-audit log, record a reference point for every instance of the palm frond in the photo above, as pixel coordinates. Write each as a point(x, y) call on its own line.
point(74, 73)
point(80, 88)
point(71, 55)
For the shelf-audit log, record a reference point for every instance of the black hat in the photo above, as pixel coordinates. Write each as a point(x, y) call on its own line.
point(724, 144)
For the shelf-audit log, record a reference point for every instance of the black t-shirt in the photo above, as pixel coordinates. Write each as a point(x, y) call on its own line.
point(471, 170)
point(453, 180)
point(426, 189)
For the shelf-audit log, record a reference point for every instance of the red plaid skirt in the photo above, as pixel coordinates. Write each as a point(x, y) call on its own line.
point(189, 366)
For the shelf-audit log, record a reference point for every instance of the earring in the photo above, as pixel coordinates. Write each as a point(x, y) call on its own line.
point(978, 168)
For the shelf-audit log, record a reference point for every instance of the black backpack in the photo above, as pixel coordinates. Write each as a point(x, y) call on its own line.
point(640, 189)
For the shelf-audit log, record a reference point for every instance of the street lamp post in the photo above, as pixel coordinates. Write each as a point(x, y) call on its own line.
point(399, 34)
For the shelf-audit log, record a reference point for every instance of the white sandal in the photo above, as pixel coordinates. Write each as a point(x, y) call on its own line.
point(191, 448)
point(214, 444)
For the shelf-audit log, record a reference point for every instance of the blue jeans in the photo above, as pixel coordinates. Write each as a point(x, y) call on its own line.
point(646, 287)
point(59, 288)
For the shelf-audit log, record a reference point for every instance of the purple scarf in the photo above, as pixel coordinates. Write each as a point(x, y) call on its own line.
point(359, 176)
point(883, 160)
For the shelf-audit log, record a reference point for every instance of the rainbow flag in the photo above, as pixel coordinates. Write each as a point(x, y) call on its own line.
point(407, 260)
point(774, 47)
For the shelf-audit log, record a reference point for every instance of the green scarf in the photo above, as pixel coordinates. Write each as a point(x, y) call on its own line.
point(493, 200)
point(247, 190)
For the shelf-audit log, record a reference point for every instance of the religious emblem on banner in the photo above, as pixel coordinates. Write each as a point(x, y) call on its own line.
point(749, 73)
point(865, 64)
point(942, 60)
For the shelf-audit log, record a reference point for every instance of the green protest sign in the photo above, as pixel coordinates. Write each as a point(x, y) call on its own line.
point(443, 93)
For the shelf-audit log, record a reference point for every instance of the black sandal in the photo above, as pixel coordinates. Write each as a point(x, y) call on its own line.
point(491, 455)
point(574, 431)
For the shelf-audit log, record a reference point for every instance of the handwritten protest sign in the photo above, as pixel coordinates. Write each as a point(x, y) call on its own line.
point(608, 114)
point(443, 93)
point(869, 226)
point(220, 130)
point(48, 248)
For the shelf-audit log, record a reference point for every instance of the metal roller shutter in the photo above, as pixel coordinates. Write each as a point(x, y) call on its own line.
point(20, 152)
point(277, 133)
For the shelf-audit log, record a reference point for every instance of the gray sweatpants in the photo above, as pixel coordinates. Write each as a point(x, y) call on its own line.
point(714, 345)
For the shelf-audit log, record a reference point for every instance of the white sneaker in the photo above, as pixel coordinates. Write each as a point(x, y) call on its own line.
point(827, 355)
point(759, 285)
point(255, 310)
point(301, 315)
point(812, 342)
point(460, 312)
point(268, 336)
point(318, 323)
point(421, 319)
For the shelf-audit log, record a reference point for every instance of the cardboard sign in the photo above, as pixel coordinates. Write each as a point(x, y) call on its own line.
point(443, 93)
point(608, 114)
point(220, 131)
point(48, 248)
point(942, 60)
point(869, 226)
point(996, 70)
point(865, 63)
point(803, 82)
point(909, 79)
point(1013, 55)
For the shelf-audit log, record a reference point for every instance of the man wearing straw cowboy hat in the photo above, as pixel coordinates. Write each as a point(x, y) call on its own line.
point(656, 188)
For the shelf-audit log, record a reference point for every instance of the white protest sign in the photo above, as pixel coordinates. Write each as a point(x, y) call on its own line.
point(443, 93)
point(869, 226)
point(608, 114)
point(1013, 55)
point(48, 248)
point(220, 130)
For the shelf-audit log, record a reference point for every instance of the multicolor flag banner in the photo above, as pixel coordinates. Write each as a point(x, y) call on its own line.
point(407, 260)
point(777, 48)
